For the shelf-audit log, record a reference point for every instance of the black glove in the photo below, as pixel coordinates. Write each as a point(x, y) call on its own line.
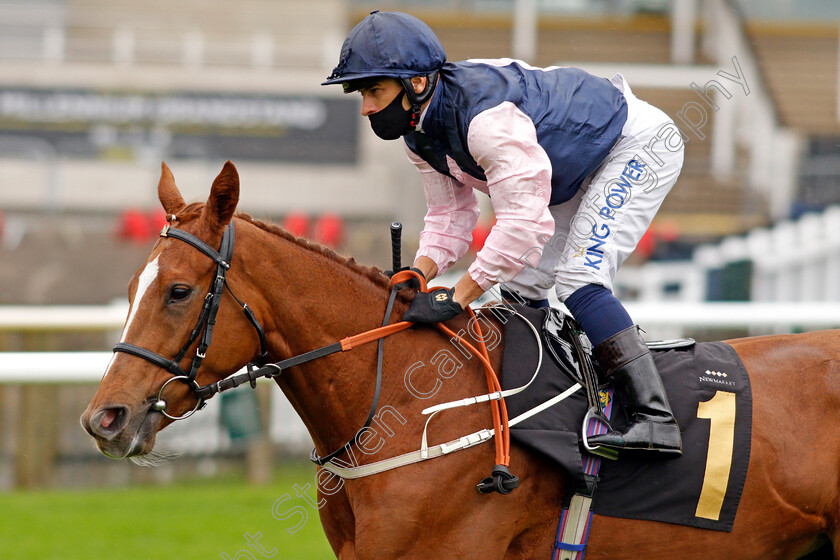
point(433, 307)
point(412, 282)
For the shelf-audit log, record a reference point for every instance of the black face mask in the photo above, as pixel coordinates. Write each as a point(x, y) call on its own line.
point(393, 121)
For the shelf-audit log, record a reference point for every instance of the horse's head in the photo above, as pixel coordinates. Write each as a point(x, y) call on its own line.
point(169, 300)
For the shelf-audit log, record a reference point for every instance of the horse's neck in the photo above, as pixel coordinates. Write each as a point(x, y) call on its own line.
point(314, 300)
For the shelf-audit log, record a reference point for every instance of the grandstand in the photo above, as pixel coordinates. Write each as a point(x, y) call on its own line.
point(758, 160)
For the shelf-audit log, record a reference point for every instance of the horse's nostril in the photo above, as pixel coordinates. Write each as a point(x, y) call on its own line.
point(109, 417)
point(108, 422)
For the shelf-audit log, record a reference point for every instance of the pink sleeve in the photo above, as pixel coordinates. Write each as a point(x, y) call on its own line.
point(450, 219)
point(503, 141)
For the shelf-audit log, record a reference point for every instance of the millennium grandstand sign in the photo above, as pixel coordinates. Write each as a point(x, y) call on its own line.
point(97, 124)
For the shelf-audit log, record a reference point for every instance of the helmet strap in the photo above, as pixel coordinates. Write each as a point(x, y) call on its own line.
point(415, 99)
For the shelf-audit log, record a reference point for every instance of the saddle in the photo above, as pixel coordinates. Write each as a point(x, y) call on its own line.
point(570, 349)
point(693, 374)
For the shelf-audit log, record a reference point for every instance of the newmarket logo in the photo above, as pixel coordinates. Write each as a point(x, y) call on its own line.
point(717, 377)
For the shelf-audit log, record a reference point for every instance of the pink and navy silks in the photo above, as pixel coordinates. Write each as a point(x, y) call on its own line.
point(525, 136)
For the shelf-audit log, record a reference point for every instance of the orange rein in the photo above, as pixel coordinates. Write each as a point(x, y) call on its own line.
point(498, 408)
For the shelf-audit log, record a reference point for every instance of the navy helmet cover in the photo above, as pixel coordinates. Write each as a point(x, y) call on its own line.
point(392, 44)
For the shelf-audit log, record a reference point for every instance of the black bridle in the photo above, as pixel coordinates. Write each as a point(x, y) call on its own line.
point(204, 328)
point(206, 321)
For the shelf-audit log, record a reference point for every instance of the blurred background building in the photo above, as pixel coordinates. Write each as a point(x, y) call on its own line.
point(94, 94)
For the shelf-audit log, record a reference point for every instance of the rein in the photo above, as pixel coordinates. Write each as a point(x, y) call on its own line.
point(501, 480)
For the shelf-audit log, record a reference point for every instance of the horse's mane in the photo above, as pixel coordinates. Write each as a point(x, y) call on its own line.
point(372, 273)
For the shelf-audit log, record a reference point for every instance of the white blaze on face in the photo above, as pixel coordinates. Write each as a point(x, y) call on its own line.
point(146, 278)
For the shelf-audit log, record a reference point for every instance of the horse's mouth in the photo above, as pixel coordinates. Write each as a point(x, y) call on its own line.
point(134, 442)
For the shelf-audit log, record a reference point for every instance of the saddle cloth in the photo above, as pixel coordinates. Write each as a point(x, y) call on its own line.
point(709, 390)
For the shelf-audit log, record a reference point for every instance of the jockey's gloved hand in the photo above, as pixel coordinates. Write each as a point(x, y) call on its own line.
point(412, 282)
point(433, 307)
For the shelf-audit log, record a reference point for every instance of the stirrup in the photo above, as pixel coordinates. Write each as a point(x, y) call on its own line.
point(605, 452)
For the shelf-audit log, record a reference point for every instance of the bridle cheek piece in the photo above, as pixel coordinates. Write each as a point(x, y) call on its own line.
point(204, 327)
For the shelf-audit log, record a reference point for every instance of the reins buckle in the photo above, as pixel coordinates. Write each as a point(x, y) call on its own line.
point(165, 231)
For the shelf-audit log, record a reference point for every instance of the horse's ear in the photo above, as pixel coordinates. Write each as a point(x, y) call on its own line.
point(169, 195)
point(223, 197)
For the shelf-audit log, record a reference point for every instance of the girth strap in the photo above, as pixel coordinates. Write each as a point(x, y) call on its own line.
point(573, 532)
point(576, 519)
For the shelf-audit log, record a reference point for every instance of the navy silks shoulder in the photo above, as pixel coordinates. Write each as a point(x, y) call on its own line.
point(578, 117)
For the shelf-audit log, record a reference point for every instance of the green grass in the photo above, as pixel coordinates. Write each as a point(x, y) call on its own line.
point(188, 520)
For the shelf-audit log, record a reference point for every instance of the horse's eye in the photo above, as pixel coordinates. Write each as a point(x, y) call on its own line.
point(179, 293)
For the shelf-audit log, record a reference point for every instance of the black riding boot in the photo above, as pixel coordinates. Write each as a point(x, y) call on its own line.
point(625, 358)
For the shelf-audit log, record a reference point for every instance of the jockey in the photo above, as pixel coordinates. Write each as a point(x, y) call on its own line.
point(576, 167)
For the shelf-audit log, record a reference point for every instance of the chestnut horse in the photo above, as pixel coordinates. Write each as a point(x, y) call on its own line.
point(306, 297)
